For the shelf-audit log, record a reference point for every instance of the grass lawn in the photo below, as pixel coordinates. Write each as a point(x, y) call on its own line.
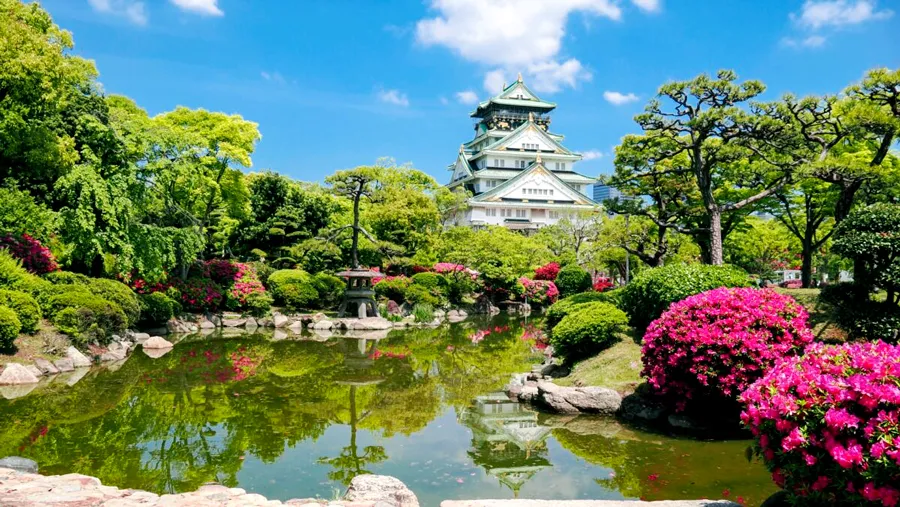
point(820, 320)
point(47, 343)
point(618, 367)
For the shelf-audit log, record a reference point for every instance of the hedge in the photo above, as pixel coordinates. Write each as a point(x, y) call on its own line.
point(588, 330)
point(27, 309)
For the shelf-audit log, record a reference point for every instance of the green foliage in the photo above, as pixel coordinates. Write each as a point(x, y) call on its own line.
point(393, 289)
point(869, 237)
point(296, 296)
point(9, 327)
point(855, 311)
point(330, 289)
point(653, 290)
point(85, 316)
point(421, 295)
point(423, 312)
point(12, 274)
point(572, 279)
point(258, 304)
point(558, 310)
point(588, 330)
point(121, 294)
point(67, 278)
point(263, 271)
point(20, 214)
point(27, 309)
point(287, 276)
point(156, 308)
point(430, 280)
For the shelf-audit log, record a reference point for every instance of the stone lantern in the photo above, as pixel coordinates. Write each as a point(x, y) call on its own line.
point(359, 293)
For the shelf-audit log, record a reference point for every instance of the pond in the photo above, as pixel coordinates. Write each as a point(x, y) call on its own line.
point(300, 417)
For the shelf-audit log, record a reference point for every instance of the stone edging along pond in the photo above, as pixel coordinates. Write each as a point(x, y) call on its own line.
point(75, 490)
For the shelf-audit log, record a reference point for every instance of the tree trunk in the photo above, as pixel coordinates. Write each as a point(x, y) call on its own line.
point(845, 199)
point(354, 248)
point(715, 236)
point(806, 269)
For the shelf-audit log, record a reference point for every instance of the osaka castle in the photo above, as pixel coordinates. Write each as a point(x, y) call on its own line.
point(518, 171)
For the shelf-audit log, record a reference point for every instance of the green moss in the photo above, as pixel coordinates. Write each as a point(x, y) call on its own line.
point(618, 367)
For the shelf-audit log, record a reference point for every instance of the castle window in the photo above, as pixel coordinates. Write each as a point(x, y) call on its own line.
point(490, 212)
point(521, 213)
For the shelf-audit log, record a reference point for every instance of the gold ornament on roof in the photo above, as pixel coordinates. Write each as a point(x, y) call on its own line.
point(519, 77)
point(537, 159)
point(531, 116)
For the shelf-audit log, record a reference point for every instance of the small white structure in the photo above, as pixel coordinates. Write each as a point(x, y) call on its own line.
point(519, 173)
point(790, 275)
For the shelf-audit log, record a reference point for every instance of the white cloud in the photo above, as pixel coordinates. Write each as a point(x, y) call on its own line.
point(591, 154)
point(494, 81)
point(618, 98)
point(275, 77)
point(813, 41)
point(466, 97)
point(816, 14)
point(204, 7)
point(393, 97)
point(510, 36)
point(647, 5)
point(129, 9)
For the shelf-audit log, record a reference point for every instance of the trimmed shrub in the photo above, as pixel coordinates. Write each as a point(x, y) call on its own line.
point(548, 272)
point(258, 304)
point(330, 289)
point(120, 294)
point(393, 288)
point(564, 306)
point(156, 308)
point(297, 295)
point(539, 292)
point(92, 317)
point(430, 280)
point(421, 295)
point(27, 309)
point(200, 294)
point(67, 278)
point(653, 290)
point(287, 276)
point(263, 271)
point(9, 327)
point(828, 424)
point(572, 279)
point(711, 346)
point(588, 330)
point(35, 257)
point(12, 274)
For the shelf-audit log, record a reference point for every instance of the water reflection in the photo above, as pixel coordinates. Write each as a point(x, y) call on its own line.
point(300, 417)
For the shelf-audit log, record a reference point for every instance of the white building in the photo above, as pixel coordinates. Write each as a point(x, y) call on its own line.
point(519, 173)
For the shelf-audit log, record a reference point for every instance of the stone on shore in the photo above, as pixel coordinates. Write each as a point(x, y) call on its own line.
point(64, 365)
point(323, 324)
point(19, 464)
point(45, 366)
point(79, 360)
point(280, 320)
point(157, 342)
point(369, 323)
point(380, 488)
point(156, 353)
point(576, 400)
point(15, 374)
point(34, 370)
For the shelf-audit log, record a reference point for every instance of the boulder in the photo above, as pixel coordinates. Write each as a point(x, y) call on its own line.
point(156, 353)
point(439, 314)
point(485, 306)
point(456, 315)
point(64, 364)
point(527, 394)
point(279, 334)
point(45, 366)
point(79, 360)
point(181, 326)
point(296, 327)
point(780, 499)
point(139, 337)
point(318, 316)
point(206, 324)
point(280, 320)
point(636, 408)
point(233, 322)
point(18, 464)
point(322, 324)
point(157, 342)
point(15, 374)
point(117, 354)
point(518, 308)
point(574, 400)
point(380, 488)
point(34, 370)
point(265, 322)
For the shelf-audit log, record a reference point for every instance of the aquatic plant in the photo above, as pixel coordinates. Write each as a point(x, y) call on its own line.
point(827, 424)
point(713, 345)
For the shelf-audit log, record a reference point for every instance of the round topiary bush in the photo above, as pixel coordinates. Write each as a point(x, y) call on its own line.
point(330, 289)
point(9, 327)
point(588, 330)
point(827, 424)
point(27, 309)
point(296, 296)
point(572, 279)
point(120, 294)
point(711, 346)
point(653, 290)
point(157, 308)
point(393, 288)
point(86, 314)
point(564, 306)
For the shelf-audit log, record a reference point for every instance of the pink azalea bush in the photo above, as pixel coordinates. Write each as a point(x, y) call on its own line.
point(451, 269)
point(602, 283)
point(827, 424)
point(34, 256)
point(713, 345)
point(539, 292)
point(547, 271)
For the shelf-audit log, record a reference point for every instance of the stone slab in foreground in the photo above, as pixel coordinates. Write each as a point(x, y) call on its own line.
point(586, 503)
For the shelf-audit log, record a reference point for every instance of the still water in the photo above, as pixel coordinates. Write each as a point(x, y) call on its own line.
point(300, 417)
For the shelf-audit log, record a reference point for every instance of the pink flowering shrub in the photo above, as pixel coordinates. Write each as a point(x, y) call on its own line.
point(547, 271)
point(34, 256)
point(827, 424)
point(713, 345)
point(450, 269)
point(539, 292)
point(602, 283)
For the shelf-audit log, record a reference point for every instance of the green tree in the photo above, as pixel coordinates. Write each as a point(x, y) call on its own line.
point(356, 185)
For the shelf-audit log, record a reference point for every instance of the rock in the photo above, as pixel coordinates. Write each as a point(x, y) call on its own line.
point(380, 488)
point(554, 370)
point(279, 334)
point(394, 309)
point(45, 366)
point(79, 360)
point(684, 422)
point(34, 370)
point(322, 324)
point(140, 337)
point(574, 400)
point(157, 342)
point(233, 322)
point(517, 308)
point(113, 355)
point(528, 394)
point(317, 317)
point(17, 391)
point(216, 320)
point(439, 314)
point(156, 353)
point(64, 364)
point(181, 326)
point(15, 374)
point(280, 320)
point(265, 322)
point(637, 408)
point(297, 327)
point(18, 464)
point(75, 376)
point(485, 306)
point(206, 324)
point(456, 315)
point(119, 347)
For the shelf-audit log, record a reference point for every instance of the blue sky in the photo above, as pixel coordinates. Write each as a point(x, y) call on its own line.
point(339, 83)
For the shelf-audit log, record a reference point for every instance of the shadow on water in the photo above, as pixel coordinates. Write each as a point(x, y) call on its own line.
point(300, 417)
